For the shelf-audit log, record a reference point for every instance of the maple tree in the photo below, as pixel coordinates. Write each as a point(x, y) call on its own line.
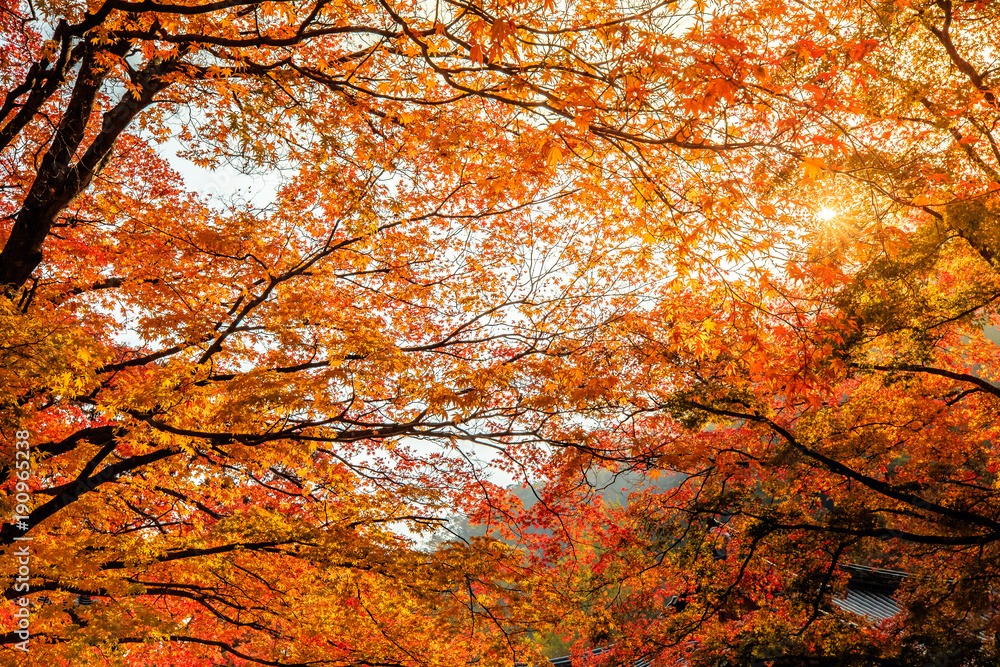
point(575, 235)
point(832, 397)
point(225, 403)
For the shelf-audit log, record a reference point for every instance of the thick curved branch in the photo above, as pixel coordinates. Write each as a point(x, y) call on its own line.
point(914, 368)
point(839, 468)
point(57, 183)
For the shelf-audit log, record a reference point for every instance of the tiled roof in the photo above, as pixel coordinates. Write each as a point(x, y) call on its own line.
point(871, 604)
point(567, 661)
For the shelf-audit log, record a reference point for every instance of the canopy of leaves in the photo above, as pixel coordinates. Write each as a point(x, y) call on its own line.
point(751, 245)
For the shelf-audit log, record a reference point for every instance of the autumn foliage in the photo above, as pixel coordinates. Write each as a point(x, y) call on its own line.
point(744, 252)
